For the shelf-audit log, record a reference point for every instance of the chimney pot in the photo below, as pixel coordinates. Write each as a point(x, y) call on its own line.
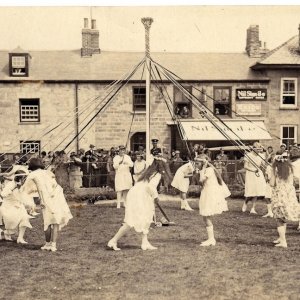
point(93, 24)
point(86, 23)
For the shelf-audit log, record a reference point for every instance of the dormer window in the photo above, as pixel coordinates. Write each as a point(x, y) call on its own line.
point(18, 63)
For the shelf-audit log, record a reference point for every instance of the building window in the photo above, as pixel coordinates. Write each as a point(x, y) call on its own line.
point(30, 147)
point(138, 139)
point(29, 110)
point(139, 98)
point(222, 101)
point(288, 134)
point(182, 104)
point(288, 92)
point(18, 65)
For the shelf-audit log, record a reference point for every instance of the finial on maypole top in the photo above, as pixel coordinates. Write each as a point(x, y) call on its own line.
point(147, 24)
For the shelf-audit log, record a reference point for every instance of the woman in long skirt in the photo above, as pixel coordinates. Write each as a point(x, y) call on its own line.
point(140, 208)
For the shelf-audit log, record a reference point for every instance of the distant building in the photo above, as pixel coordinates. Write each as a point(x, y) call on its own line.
point(41, 89)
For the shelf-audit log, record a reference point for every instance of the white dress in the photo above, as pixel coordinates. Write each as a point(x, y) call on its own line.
point(138, 167)
point(123, 178)
point(212, 198)
point(140, 207)
point(254, 185)
point(56, 209)
point(12, 210)
point(179, 181)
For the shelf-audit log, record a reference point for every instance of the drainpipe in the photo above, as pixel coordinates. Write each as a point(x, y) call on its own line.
point(76, 117)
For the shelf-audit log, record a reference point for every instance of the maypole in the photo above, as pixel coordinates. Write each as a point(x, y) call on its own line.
point(147, 24)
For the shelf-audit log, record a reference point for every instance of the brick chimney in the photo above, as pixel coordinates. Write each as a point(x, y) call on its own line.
point(86, 49)
point(253, 43)
point(94, 38)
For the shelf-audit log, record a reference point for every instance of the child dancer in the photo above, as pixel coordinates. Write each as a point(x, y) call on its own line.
point(255, 184)
point(12, 211)
point(284, 200)
point(139, 166)
point(181, 182)
point(212, 198)
point(56, 212)
point(139, 210)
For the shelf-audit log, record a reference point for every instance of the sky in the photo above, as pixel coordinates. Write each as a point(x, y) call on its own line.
point(191, 28)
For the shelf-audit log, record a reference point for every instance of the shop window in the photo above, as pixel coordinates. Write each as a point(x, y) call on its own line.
point(138, 139)
point(222, 101)
point(29, 110)
point(30, 147)
point(139, 98)
point(288, 134)
point(288, 92)
point(18, 65)
point(182, 104)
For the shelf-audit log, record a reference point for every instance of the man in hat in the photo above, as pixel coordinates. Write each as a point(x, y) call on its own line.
point(123, 179)
point(155, 150)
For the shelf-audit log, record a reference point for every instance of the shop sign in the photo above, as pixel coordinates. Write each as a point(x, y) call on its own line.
point(248, 109)
point(251, 94)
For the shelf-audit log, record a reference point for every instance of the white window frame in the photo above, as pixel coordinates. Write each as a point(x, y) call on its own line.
point(27, 147)
point(29, 113)
point(282, 105)
point(295, 132)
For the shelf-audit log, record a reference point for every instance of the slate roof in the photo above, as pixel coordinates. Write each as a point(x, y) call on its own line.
point(287, 54)
point(69, 66)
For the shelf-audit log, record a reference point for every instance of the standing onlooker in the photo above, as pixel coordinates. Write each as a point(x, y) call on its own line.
point(223, 158)
point(285, 206)
point(110, 168)
point(176, 162)
point(123, 180)
point(255, 184)
point(155, 149)
point(75, 173)
point(61, 170)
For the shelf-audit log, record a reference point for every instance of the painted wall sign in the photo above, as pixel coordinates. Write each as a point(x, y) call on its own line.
point(251, 94)
point(248, 109)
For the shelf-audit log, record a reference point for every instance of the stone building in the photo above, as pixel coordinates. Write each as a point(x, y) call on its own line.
point(48, 97)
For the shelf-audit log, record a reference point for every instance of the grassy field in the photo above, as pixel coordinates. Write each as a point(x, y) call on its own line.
point(243, 265)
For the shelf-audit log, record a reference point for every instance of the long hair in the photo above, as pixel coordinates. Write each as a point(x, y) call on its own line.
point(283, 168)
point(157, 166)
point(217, 174)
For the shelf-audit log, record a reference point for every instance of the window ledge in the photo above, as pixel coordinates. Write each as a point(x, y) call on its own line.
point(288, 108)
point(138, 112)
point(29, 123)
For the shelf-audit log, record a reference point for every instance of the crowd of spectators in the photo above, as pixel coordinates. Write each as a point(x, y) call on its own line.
point(94, 167)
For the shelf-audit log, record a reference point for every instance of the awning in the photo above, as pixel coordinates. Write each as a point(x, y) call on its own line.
point(239, 130)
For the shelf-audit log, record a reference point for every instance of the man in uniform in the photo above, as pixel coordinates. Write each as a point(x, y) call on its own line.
point(155, 150)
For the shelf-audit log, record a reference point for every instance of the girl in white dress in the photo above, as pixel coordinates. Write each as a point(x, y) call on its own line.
point(139, 166)
point(212, 198)
point(123, 179)
point(56, 212)
point(140, 208)
point(12, 211)
point(181, 182)
point(285, 205)
point(255, 183)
